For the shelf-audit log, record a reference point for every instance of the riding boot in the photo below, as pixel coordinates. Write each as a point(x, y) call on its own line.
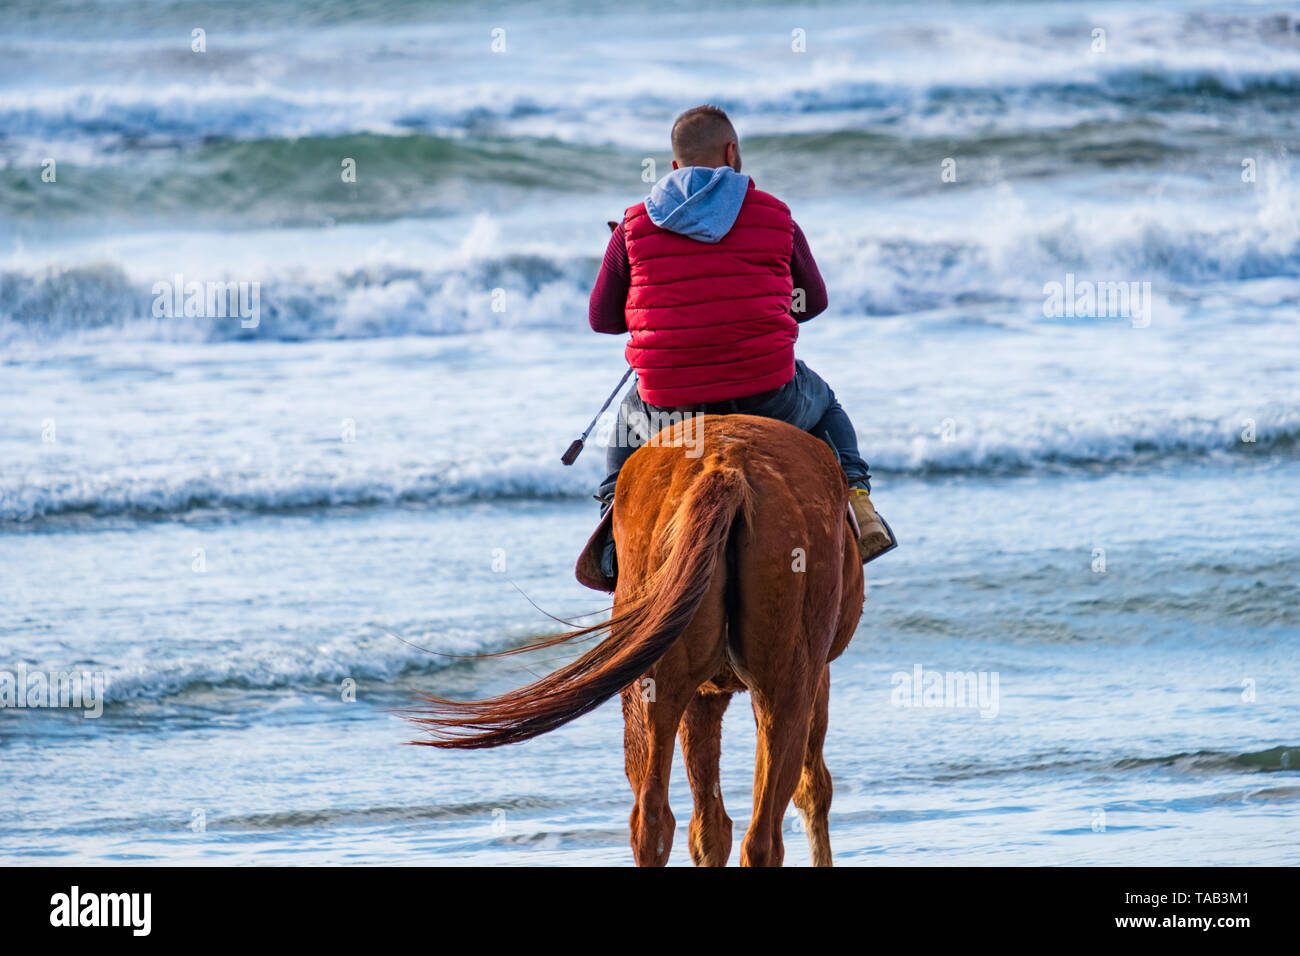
point(876, 537)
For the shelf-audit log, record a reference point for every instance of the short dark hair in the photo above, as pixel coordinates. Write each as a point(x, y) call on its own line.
point(700, 134)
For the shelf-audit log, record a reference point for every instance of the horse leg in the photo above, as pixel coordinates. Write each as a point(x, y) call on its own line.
point(701, 736)
point(813, 795)
point(661, 704)
point(634, 736)
point(658, 702)
point(653, 709)
point(781, 713)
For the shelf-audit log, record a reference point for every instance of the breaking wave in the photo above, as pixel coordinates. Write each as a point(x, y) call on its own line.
point(869, 274)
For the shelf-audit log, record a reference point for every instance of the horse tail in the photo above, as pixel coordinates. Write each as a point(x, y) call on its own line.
point(641, 631)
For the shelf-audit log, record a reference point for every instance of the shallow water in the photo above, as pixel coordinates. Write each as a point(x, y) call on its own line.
point(1119, 693)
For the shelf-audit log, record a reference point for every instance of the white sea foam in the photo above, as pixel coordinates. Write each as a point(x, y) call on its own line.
point(1004, 246)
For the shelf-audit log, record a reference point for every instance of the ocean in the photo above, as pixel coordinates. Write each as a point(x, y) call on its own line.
point(267, 531)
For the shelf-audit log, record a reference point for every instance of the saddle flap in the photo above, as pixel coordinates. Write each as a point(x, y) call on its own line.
point(588, 570)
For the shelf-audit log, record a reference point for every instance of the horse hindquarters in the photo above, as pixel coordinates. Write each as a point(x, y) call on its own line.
point(792, 588)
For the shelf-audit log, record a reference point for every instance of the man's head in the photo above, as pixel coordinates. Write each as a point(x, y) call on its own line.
point(704, 136)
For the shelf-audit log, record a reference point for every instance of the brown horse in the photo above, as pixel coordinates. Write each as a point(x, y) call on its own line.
point(738, 570)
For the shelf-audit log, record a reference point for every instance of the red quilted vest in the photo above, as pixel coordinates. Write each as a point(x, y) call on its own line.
point(711, 321)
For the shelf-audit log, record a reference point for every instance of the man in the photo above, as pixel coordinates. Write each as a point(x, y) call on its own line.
point(703, 274)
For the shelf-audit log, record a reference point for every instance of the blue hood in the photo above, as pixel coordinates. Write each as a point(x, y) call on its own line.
point(698, 202)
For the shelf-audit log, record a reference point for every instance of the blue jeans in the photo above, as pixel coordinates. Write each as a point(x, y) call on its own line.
point(806, 402)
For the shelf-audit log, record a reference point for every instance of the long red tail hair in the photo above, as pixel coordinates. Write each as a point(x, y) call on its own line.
point(640, 632)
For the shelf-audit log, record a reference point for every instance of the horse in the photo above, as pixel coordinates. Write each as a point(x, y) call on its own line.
point(738, 570)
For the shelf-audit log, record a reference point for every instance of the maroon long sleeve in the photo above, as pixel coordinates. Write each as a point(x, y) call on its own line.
point(605, 311)
point(806, 275)
point(609, 294)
